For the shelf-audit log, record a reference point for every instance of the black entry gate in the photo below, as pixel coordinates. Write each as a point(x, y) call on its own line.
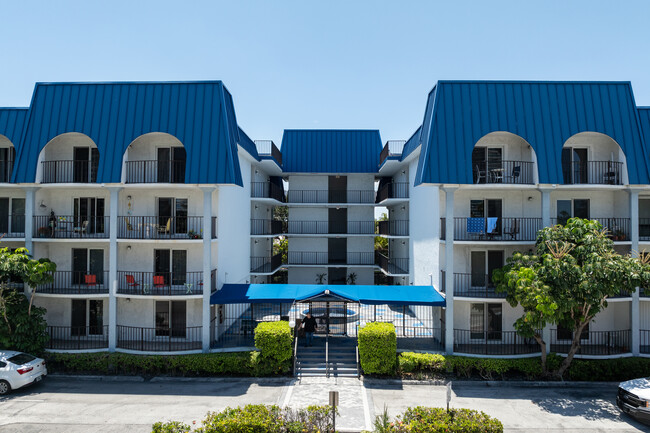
point(332, 317)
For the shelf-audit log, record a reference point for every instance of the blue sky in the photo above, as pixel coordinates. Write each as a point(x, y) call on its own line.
point(323, 64)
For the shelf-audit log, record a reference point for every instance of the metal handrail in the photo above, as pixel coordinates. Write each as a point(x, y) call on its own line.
point(327, 353)
point(358, 366)
point(295, 353)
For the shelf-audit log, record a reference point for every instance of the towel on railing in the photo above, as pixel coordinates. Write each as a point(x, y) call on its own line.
point(492, 224)
point(475, 225)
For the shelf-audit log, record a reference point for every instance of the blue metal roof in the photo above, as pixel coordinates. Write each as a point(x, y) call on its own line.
point(248, 145)
point(330, 151)
point(411, 144)
point(12, 123)
point(200, 114)
point(287, 293)
point(545, 114)
point(644, 118)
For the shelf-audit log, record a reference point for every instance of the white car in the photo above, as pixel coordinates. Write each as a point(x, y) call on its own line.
point(18, 369)
point(634, 398)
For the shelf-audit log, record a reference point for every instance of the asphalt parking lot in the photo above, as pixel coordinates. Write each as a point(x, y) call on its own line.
point(71, 404)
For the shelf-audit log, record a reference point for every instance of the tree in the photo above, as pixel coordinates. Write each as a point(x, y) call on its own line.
point(567, 281)
point(22, 326)
point(381, 244)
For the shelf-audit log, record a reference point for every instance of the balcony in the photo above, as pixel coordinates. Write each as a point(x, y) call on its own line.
point(493, 343)
point(214, 228)
point(503, 172)
point(393, 190)
point(394, 228)
point(162, 283)
point(159, 339)
point(76, 283)
point(592, 172)
point(156, 171)
point(267, 148)
point(12, 226)
point(331, 227)
point(495, 229)
point(644, 229)
point(69, 171)
point(644, 344)
point(333, 258)
point(326, 196)
point(6, 167)
point(157, 227)
point(71, 227)
point(618, 228)
point(267, 190)
point(77, 337)
point(593, 342)
point(266, 265)
point(392, 265)
point(392, 149)
point(475, 286)
point(267, 227)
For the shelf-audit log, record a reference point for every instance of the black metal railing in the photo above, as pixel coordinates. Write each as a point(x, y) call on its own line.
point(593, 172)
point(443, 281)
point(160, 283)
point(268, 148)
point(475, 286)
point(77, 337)
point(496, 229)
point(480, 342)
point(331, 227)
point(71, 226)
point(393, 190)
point(644, 343)
point(326, 196)
point(391, 148)
point(265, 264)
point(308, 258)
point(267, 190)
point(14, 226)
point(160, 227)
point(234, 324)
point(69, 171)
point(267, 227)
point(215, 227)
point(593, 342)
point(6, 169)
point(392, 265)
point(504, 172)
point(76, 283)
point(360, 258)
point(159, 339)
point(618, 229)
point(394, 228)
point(644, 229)
point(157, 171)
point(443, 228)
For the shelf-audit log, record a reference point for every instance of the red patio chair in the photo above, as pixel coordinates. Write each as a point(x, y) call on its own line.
point(158, 281)
point(90, 280)
point(130, 281)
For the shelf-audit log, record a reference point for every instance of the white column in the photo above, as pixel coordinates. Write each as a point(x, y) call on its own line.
point(546, 222)
point(207, 265)
point(634, 237)
point(449, 268)
point(30, 194)
point(112, 267)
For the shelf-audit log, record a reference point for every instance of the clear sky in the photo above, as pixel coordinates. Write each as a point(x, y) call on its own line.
point(323, 64)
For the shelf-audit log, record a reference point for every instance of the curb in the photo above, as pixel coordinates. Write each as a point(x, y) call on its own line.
point(99, 378)
point(491, 383)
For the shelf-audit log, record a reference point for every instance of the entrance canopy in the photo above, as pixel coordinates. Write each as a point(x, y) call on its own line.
point(288, 293)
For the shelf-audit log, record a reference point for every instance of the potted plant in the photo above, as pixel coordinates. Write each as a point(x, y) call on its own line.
point(352, 278)
point(193, 235)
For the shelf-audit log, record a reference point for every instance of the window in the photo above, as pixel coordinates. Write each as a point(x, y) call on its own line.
point(87, 262)
point(175, 208)
point(171, 265)
point(171, 318)
point(12, 215)
point(87, 317)
point(89, 209)
point(85, 164)
point(483, 264)
point(487, 164)
point(576, 208)
point(574, 165)
point(171, 164)
point(488, 209)
point(485, 321)
point(7, 156)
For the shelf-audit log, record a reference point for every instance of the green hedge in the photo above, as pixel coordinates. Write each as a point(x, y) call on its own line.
point(274, 340)
point(433, 420)
point(378, 348)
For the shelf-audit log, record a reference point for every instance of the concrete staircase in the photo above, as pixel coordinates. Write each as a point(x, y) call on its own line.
point(342, 358)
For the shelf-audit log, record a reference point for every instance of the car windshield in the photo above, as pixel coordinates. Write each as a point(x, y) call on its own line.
point(21, 358)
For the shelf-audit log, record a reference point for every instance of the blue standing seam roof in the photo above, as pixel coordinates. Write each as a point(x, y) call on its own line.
point(411, 144)
point(644, 119)
point(365, 294)
point(330, 151)
point(12, 124)
point(545, 114)
point(199, 114)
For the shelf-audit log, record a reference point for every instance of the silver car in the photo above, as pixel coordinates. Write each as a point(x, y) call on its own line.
point(18, 369)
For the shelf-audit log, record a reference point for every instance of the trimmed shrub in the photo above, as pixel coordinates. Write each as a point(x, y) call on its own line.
point(410, 362)
point(432, 420)
point(273, 339)
point(170, 427)
point(378, 348)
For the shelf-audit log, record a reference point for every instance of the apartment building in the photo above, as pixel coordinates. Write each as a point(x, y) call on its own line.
point(166, 220)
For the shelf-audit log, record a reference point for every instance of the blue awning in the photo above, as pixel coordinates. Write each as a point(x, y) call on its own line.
point(288, 293)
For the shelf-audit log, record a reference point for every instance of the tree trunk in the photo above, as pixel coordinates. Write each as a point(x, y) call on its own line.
point(31, 301)
point(542, 345)
point(575, 345)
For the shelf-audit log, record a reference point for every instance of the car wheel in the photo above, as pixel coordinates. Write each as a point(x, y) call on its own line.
point(4, 387)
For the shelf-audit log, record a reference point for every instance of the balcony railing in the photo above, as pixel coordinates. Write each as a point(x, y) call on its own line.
point(644, 229)
point(69, 171)
point(482, 342)
point(618, 228)
point(268, 148)
point(159, 227)
point(496, 229)
point(443, 228)
point(308, 258)
point(593, 172)
point(159, 339)
point(475, 286)
point(358, 258)
point(325, 196)
point(155, 171)
point(394, 228)
point(265, 265)
point(267, 190)
point(331, 227)
point(392, 265)
point(160, 283)
point(6, 170)
point(593, 342)
point(267, 227)
point(76, 283)
point(77, 337)
point(504, 172)
point(326, 258)
point(392, 148)
point(13, 226)
point(644, 344)
point(214, 228)
point(393, 190)
point(70, 227)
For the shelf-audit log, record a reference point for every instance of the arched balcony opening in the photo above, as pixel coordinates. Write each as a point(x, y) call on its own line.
point(7, 158)
point(593, 158)
point(155, 157)
point(68, 158)
point(503, 158)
